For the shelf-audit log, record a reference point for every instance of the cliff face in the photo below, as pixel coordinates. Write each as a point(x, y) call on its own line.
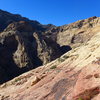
point(7, 18)
point(73, 76)
point(75, 33)
point(23, 49)
point(25, 45)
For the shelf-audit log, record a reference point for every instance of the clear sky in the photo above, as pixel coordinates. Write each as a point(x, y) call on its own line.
point(57, 12)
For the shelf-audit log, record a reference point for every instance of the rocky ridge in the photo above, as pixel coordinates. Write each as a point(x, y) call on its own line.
point(73, 76)
point(24, 46)
point(75, 33)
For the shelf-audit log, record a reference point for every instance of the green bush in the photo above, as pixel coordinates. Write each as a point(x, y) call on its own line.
point(17, 79)
point(65, 56)
point(53, 67)
point(61, 59)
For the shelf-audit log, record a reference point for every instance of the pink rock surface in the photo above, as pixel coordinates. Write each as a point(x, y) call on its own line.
point(88, 83)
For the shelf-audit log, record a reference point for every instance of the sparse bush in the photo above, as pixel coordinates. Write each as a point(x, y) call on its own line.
point(65, 56)
point(17, 79)
point(61, 59)
point(80, 99)
point(53, 67)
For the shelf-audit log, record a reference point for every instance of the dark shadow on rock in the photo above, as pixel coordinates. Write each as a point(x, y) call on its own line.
point(8, 67)
point(65, 49)
point(7, 64)
point(32, 52)
point(57, 50)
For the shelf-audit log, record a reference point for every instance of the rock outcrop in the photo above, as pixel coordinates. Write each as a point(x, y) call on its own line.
point(76, 33)
point(23, 49)
point(25, 46)
point(73, 76)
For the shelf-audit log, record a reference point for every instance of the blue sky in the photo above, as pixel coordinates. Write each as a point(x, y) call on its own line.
point(57, 12)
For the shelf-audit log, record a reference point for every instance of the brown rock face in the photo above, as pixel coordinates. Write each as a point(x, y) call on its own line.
point(88, 84)
point(7, 18)
point(25, 45)
point(22, 45)
point(73, 76)
point(76, 33)
point(23, 49)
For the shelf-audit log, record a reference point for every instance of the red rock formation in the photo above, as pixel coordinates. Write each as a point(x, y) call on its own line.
point(73, 76)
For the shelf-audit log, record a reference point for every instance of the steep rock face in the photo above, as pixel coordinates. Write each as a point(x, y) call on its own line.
point(22, 49)
point(8, 18)
point(22, 46)
point(75, 33)
point(25, 45)
point(73, 76)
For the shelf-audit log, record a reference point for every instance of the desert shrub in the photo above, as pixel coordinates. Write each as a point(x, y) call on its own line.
point(61, 59)
point(17, 79)
point(65, 56)
point(53, 67)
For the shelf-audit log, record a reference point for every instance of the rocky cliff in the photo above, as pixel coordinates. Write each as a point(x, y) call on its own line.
point(73, 76)
point(62, 75)
point(23, 46)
